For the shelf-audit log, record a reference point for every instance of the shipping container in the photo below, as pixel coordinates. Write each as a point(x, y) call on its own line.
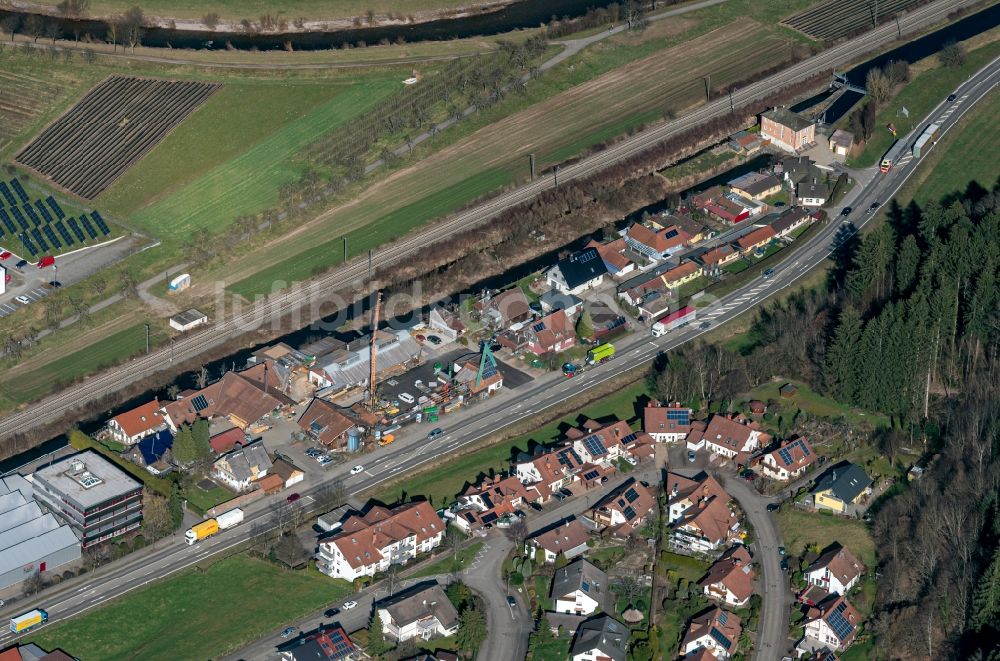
point(600, 353)
point(229, 519)
point(674, 320)
point(928, 136)
point(28, 620)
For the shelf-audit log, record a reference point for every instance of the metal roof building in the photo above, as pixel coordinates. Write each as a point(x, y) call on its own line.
point(30, 540)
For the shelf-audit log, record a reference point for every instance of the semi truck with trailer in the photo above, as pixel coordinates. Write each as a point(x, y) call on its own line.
point(600, 354)
point(28, 621)
point(892, 156)
point(929, 135)
point(209, 527)
point(675, 319)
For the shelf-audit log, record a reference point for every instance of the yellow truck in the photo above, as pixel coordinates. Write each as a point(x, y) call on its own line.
point(29, 620)
point(209, 527)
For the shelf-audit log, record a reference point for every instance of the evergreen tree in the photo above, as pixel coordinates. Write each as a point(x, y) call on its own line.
point(841, 369)
point(585, 326)
point(184, 448)
point(986, 600)
point(907, 264)
point(471, 630)
point(377, 644)
point(540, 637)
point(200, 435)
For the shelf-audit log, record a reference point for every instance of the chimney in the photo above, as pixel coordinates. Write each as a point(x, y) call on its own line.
point(702, 503)
point(673, 491)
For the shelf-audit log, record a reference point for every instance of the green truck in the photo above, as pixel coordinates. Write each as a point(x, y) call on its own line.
point(600, 354)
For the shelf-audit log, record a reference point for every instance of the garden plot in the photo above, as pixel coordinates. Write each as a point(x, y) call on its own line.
point(838, 18)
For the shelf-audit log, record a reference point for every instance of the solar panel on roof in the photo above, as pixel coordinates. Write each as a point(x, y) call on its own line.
point(490, 518)
point(681, 416)
point(594, 445)
point(199, 403)
point(631, 495)
point(585, 586)
point(316, 427)
point(720, 638)
point(671, 234)
point(838, 622)
point(538, 328)
point(723, 618)
point(587, 256)
point(629, 438)
point(786, 456)
point(590, 475)
point(629, 513)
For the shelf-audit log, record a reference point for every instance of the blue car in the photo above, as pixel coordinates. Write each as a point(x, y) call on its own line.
point(434, 433)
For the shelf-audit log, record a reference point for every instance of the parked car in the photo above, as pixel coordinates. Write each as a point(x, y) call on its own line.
point(348, 605)
point(406, 397)
point(781, 550)
point(22, 299)
point(784, 564)
point(330, 612)
point(434, 339)
point(511, 601)
point(558, 496)
point(419, 338)
point(5, 255)
point(566, 492)
point(288, 631)
point(294, 497)
point(55, 284)
point(21, 264)
point(357, 469)
point(631, 460)
point(434, 433)
point(535, 506)
point(773, 507)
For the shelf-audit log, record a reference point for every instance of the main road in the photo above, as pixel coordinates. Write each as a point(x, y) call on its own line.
point(305, 295)
point(468, 427)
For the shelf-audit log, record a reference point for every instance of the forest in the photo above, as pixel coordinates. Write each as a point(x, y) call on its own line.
point(908, 325)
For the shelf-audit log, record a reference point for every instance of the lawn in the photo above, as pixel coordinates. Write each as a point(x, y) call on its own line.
point(441, 484)
point(200, 613)
point(919, 97)
point(813, 403)
point(682, 566)
point(250, 181)
point(40, 378)
point(203, 500)
point(800, 529)
point(450, 565)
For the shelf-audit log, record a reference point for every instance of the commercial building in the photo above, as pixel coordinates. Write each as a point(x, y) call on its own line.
point(30, 540)
point(97, 499)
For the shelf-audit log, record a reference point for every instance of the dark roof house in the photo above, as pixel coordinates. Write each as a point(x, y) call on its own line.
point(602, 637)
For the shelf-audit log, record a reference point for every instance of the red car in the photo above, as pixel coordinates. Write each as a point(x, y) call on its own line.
point(293, 498)
point(5, 254)
point(48, 260)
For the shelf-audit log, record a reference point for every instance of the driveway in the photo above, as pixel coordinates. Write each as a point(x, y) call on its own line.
point(508, 627)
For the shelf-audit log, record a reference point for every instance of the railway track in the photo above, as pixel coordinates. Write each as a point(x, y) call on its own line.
point(296, 298)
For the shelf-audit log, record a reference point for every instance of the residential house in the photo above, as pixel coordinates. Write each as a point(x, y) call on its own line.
point(796, 169)
point(243, 401)
point(746, 143)
point(625, 508)
point(579, 588)
point(833, 622)
point(560, 623)
point(695, 229)
point(423, 612)
point(613, 254)
point(754, 240)
point(326, 423)
point(787, 130)
point(791, 220)
point(729, 210)
point(132, 426)
point(730, 578)
point(549, 472)
point(713, 260)
point(727, 436)
point(701, 654)
point(370, 542)
point(755, 185)
point(227, 441)
point(153, 452)
point(790, 460)
point(552, 301)
point(551, 334)
point(835, 570)
point(656, 244)
point(445, 323)
point(328, 643)
point(666, 424)
point(699, 513)
point(602, 444)
point(569, 538)
point(841, 486)
point(507, 308)
point(241, 468)
point(812, 194)
point(702, 199)
point(289, 473)
point(577, 273)
point(714, 629)
point(494, 499)
point(480, 375)
point(602, 638)
point(841, 142)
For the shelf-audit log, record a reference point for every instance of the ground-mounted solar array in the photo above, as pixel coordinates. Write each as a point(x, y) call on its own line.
point(109, 129)
point(42, 226)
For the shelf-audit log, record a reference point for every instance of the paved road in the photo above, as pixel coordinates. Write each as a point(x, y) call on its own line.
point(305, 296)
point(411, 450)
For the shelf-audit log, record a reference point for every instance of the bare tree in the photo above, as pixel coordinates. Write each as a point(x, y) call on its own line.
point(202, 378)
point(10, 23)
point(34, 27)
point(211, 20)
point(518, 532)
point(627, 587)
point(33, 584)
point(73, 7)
point(952, 55)
point(878, 85)
point(330, 494)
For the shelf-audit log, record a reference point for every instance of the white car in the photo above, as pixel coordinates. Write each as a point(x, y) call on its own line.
point(357, 469)
point(406, 397)
point(22, 299)
point(348, 605)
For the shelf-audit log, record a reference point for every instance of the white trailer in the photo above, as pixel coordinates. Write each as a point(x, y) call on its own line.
point(229, 519)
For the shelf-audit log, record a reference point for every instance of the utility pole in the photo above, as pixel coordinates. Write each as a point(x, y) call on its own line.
point(732, 108)
point(371, 254)
point(345, 248)
point(147, 338)
point(555, 176)
point(899, 30)
point(708, 87)
point(531, 162)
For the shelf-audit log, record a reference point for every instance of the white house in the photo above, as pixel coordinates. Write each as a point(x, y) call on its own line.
point(812, 194)
point(579, 588)
point(789, 461)
point(371, 542)
point(699, 513)
point(666, 424)
point(833, 622)
point(726, 436)
point(577, 273)
point(423, 613)
point(716, 630)
point(835, 570)
point(132, 426)
point(569, 538)
point(241, 468)
point(600, 638)
point(730, 578)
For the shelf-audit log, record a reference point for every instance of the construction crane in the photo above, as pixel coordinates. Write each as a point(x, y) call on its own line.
point(373, 399)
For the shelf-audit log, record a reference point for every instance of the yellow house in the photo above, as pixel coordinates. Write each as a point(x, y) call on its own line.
point(680, 275)
point(843, 485)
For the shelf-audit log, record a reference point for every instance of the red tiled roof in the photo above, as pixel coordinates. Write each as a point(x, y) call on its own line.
point(660, 241)
point(713, 619)
point(826, 608)
point(225, 441)
point(141, 419)
point(717, 255)
point(655, 419)
point(611, 252)
point(364, 536)
point(512, 305)
point(232, 395)
point(733, 570)
point(755, 238)
point(563, 538)
point(840, 562)
point(330, 423)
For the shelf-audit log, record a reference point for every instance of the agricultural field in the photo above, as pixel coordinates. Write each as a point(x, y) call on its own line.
point(26, 99)
point(554, 129)
point(838, 18)
point(109, 129)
